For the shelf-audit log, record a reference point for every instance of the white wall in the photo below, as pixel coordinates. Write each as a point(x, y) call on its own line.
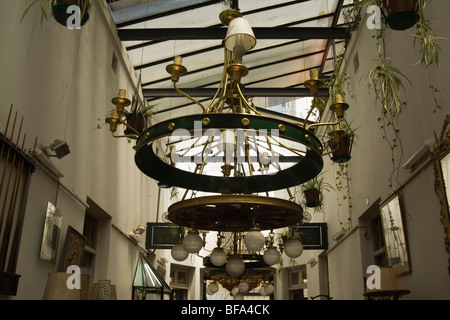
point(61, 82)
point(370, 166)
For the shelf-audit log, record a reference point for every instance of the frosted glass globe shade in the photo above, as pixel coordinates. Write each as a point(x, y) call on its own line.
point(234, 291)
point(271, 256)
point(293, 248)
point(243, 287)
point(262, 291)
point(192, 243)
point(235, 266)
point(239, 296)
point(213, 288)
point(178, 252)
point(268, 289)
point(218, 257)
point(254, 240)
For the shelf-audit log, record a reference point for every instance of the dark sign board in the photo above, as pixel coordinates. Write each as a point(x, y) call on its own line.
point(165, 235)
point(161, 235)
point(313, 236)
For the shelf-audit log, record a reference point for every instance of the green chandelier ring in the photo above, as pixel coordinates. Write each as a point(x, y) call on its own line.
point(307, 167)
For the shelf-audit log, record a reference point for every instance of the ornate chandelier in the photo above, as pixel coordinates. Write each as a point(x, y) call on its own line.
point(231, 149)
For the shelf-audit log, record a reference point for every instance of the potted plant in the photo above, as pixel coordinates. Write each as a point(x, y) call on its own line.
point(139, 113)
point(341, 151)
point(398, 14)
point(313, 192)
point(59, 9)
point(341, 144)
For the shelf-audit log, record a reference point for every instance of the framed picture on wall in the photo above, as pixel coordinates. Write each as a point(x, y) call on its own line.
point(52, 230)
point(395, 236)
point(73, 249)
point(440, 156)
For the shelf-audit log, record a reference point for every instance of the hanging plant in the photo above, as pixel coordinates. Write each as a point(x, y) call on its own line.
point(343, 188)
point(58, 9)
point(341, 151)
point(397, 14)
point(429, 48)
point(400, 14)
point(137, 116)
point(387, 83)
point(312, 192)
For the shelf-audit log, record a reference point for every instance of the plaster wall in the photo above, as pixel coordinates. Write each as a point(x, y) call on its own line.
point(371, 165)
point(61, 81)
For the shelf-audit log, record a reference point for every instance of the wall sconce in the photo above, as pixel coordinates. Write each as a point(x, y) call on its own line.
point(135, 233)
point(312, 262)
point(60, 149)
point(338, 236)
point(140, 229)
point(419, 156)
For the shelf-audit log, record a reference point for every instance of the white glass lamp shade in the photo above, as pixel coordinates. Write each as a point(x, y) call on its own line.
point(218, 257)
point(213, 288)
point(192, 243)
point(239, 296)
point(240, 36)
point(262, 291)
point(243, 287)
point(271, 256)
point(254, 240)
point(178, 252)
point(235, 266)
point(268, 289)
point(293, 248)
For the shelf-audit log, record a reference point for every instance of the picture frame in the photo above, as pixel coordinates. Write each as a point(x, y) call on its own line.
point(52, 231)
point(73, 249)
point(440, 157)
point(396, 242)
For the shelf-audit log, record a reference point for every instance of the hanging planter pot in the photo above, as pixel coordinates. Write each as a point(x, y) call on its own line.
point(59, 11)
point(342, 150)
point(137, 121)
point(401, 14)
point(312, 198)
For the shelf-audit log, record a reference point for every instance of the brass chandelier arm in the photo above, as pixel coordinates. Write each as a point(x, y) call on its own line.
point(129, 127)
point(188, 96)
point(131, 136)
point(324, 124)
point(247, 150)
point(222, 86)
point(313, 106)
point(291, 197)
point(211, 139)
point(249, 107)
point(330, 152)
